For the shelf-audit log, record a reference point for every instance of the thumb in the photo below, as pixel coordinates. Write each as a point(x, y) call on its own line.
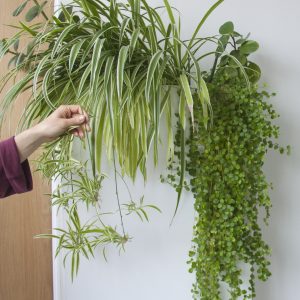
point(75, 120)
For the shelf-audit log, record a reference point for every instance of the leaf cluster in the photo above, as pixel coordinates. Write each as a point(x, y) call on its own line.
point(225, 164)
point(128, 68)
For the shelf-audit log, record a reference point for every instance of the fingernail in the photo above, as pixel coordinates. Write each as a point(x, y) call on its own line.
point(81, 118)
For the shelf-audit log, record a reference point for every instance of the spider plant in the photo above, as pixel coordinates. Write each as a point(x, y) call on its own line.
point(121, 62)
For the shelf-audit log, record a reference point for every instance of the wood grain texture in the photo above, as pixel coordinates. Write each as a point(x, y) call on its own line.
point(25, 262)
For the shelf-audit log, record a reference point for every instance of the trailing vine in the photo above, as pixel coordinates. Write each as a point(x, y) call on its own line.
point(225, 163)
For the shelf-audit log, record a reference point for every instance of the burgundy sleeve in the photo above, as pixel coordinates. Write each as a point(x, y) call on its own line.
point(15, 177)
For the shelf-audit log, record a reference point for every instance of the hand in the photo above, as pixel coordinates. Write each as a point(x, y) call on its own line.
point(65, 118)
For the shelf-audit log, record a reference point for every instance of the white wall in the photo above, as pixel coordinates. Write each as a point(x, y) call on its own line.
point(153, 266)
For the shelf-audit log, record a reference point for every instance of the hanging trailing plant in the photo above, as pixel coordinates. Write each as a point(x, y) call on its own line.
point(122, 63)
point(225, 164)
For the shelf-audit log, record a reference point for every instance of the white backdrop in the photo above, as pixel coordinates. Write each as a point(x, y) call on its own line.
point(153, 266)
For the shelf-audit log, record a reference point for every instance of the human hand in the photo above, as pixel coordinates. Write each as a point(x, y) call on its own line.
point(70, 118)
point(66, 118)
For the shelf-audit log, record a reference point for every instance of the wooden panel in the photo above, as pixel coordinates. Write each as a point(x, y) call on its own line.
point(25, 262)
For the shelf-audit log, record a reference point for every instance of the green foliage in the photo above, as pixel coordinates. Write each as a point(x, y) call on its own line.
point(119, 62)
point(248, 47)
point(109, 41)
point(226, 28)
point(19, 9)
point(229, 187)
point(225, 166)
point(139, 209)
point(77, 187)
point(122, 63)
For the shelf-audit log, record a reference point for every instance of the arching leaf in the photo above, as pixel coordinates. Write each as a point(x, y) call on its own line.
point(19, 9)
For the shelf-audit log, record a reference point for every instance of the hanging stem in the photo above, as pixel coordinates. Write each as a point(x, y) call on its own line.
point(90, 150)
point(115, 175)
point(12, 52)
point(214, 68)
point(117, 193)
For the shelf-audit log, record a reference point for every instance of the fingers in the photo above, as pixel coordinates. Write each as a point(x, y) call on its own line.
point(74, 115)
point(75, 132)
point(75, 120)
point(82, 127)
point(87, 121)
point(68, 110)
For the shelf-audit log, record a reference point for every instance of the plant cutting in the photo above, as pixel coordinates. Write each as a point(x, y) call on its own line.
point(122, 63)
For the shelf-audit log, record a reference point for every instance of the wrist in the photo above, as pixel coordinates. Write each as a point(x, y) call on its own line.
point(38, 134)
point(28, 141)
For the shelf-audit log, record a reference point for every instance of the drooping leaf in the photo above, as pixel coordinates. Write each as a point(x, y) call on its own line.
point(120, 69)
point(170, 12)
point(239, 56)
point(19, 9)
point(3, 47)
point(205, 102)
point(133, 41)
point(253, 71)
point(182, 167)
point(16, 44)
point(123, 28)
point(65, 13)
point(20, 58)
point(242, 69)
point(96, 64)
point(12, 61)
point(151, 70)
point(188, 94)
point(108, 90)
point(182, 103)
point(74, 53)
point(32, 13)
point(28, 29)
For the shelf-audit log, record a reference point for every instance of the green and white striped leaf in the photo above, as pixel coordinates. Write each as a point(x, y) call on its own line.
point(120, 69)
point(74, 53)
point(150, 74)
point(188, 95)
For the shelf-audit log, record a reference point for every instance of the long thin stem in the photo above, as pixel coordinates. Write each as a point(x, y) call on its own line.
point(12, 52)
point(214, 68)
point(116, 181)
point(126, 185)
point(117, 193)
point(90, 151)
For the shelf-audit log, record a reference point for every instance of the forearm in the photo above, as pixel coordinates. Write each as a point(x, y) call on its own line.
point(28, 141)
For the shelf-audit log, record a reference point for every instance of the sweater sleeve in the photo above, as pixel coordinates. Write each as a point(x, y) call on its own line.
point(15, 177)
